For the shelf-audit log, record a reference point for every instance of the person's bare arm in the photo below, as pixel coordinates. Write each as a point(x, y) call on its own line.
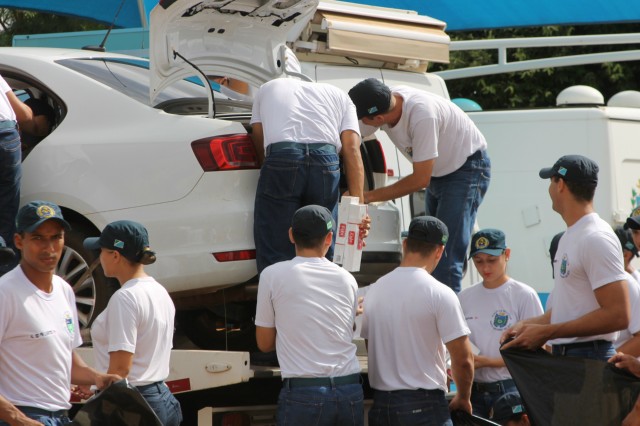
point(517, 328)
point(266, 338)
point(462, 371)
point(353, 166)
point(24, 115)
point(120, 363)
point(480, 361)
point(612, 315)
point(14, 417)
point(416, 181)
point(82, 374)
point(631, 346)
point(257, 135)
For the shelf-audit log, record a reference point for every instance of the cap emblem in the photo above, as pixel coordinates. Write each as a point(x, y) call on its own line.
point(45, 212)
point(562, 171)
point(329, 225)
point(118, 244)
point(482, 243)
point(372, 109)
point(635, 212)
point(517, 409)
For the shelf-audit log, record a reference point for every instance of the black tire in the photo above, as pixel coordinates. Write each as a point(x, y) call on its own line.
point(92, 289)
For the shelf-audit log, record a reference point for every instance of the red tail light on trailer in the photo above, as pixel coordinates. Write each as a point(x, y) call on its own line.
point(229, 152)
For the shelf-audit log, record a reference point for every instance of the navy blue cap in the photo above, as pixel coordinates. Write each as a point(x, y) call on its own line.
point(125, 236)
point(371, 97)
point(428, 229)
point(35, 213)
point(507, 406)
point(626, 239)
point(633, 221)
point(312, 221)
point(489, 241)
point(573, 168)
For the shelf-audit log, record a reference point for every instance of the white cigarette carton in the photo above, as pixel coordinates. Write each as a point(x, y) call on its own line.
point(341, 233)
point(353, 247)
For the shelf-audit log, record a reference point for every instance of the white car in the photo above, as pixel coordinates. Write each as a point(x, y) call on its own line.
point(190, 179)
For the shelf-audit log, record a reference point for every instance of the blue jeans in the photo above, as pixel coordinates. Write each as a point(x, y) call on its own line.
point(163, 403)
point(50, 419)
point(454, 199)
point(10, 175)
point(482, 400)
point(597, 349)
point(410, 407)
point(321, 405)
point(291, 178)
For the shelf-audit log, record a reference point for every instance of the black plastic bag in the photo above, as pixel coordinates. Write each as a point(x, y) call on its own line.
point(568, 391)
point(121, 404)
point(462, 418)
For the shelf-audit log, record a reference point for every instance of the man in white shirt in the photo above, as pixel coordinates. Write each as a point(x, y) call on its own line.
point(410, 321)
point(449, 158)
point(300, 128)
point(39, 326)
point(590, 300)
point(306, 309)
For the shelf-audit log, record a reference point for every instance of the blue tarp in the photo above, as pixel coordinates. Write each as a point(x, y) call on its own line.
point(458, 14)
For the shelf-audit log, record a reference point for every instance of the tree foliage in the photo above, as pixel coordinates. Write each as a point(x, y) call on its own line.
point(538, 88)
point(22, 22)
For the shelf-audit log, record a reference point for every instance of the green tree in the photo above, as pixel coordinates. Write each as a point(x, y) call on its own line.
point(17, 22)
point(539, 88)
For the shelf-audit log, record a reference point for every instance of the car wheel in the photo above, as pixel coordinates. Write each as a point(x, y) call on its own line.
point(80, 268)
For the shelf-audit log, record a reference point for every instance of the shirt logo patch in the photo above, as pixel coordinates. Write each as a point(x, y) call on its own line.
point(69, 322)
point(564, 266)
point(500, 320)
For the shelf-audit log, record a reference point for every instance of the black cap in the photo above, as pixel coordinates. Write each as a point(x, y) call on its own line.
point(489, 241)
point(35, 213)
point(6, 253)
point(312, 221)
point(573, 168)
point(125, 236)
point(626, 239)
point(371, 97)
point(507, 406)
point(428, 229)
point(633, 221)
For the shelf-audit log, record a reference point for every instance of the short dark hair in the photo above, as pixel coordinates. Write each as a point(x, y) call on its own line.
point(304, 242)
point(581, 191)
point(422, 248)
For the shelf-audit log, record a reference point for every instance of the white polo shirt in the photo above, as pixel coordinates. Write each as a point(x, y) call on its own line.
point(6, 112)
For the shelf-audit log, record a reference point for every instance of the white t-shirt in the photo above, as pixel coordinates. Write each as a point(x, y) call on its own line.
point(433, 127)
point(6, 112)
point(138, 319)
point(589, 256)
point(408, 318)
point(489, 312)
point(634, 300)
point(292, 110)
point(38, 332)
point(312, 304)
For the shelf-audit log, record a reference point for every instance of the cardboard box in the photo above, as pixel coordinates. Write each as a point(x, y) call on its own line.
point(341, 233)
point(353, 247)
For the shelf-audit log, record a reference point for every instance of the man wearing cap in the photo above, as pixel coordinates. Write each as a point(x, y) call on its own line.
point(628, 340)
point(590, 300)
point(300, 127)
point(39, 326)
point(306, 309)
point(449, 158)
point(409, 322)
point(490, 307)
point(509, 411)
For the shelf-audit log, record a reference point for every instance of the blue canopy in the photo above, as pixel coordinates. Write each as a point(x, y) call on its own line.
point(458, 14)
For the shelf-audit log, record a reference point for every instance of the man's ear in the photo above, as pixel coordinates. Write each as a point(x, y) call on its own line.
point(291, 236)
point(328, 239)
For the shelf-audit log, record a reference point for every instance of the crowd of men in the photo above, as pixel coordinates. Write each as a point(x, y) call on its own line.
point(413, 318)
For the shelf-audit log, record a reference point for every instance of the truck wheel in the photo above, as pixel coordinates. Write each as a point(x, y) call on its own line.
point(208, 329)
point(91, 287)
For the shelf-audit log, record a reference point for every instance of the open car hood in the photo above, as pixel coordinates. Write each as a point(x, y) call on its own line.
point(244, 39)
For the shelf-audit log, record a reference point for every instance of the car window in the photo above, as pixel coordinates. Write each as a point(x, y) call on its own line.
point(131, 78)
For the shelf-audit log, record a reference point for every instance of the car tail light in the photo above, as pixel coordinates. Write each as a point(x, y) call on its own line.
point(232, 256)
point(230, 152)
